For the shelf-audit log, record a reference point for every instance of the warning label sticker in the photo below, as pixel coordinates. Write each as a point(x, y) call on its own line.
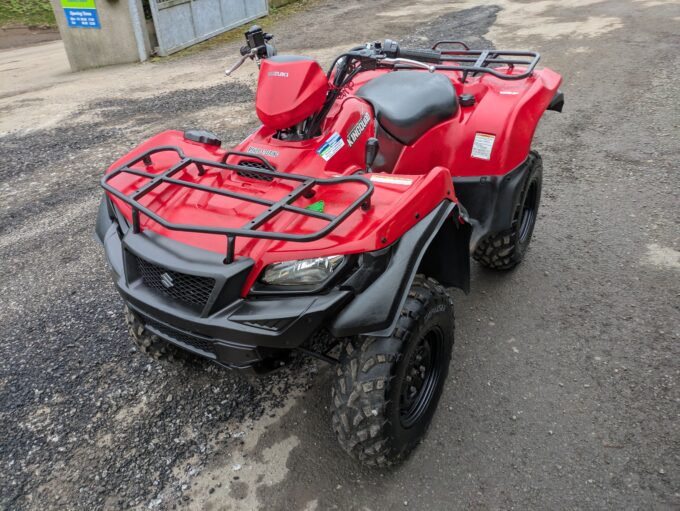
point(331, 146)
point(482, 146)
point(389, 180)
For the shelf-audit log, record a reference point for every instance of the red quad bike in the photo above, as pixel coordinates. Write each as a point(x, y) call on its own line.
point(336, 225)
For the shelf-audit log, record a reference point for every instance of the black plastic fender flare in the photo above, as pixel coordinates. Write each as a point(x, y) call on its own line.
point(104, 219)
point(375, 311)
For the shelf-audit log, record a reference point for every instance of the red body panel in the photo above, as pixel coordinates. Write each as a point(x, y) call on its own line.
point(507, 110)
point(394, 207)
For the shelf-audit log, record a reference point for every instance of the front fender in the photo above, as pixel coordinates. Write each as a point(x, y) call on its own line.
point(376, 310)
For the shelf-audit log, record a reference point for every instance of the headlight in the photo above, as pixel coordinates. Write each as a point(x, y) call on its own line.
point(302, 272)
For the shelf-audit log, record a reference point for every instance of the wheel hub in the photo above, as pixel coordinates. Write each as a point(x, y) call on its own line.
point(528, 215)
point(422, 378)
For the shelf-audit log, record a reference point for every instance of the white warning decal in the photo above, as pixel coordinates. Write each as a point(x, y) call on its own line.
point(389, 180)
point(331, 146)
point(482, 146)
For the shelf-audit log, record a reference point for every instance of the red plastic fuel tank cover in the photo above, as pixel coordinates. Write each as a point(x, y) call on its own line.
point(289, 90)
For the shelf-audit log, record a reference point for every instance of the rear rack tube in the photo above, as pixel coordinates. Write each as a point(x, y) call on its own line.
point(480, 61)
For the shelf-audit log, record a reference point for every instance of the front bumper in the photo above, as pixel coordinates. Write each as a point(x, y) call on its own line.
point(200, 308)
point(212, 321)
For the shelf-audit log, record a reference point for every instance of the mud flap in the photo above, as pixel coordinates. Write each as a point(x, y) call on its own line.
point(490, 200)
point(557, 102)
point(447, 258)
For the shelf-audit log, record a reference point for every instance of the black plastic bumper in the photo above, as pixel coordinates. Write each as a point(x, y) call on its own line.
point(255, 331)
point(232, 331)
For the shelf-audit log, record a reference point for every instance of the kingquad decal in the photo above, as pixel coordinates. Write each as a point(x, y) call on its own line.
point(264, 152)
point(358, 129)
point(331, 146)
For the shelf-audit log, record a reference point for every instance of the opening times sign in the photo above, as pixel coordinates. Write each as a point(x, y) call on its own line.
point(81, 13)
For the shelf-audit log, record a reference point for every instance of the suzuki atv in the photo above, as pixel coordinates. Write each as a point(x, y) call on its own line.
point(334, 229)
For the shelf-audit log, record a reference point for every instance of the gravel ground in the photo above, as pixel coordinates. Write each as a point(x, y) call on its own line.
point(564, 385)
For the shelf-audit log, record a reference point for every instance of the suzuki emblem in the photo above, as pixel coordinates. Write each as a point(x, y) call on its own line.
point(166, 280)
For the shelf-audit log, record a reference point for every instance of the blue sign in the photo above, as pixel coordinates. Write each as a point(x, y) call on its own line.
point(82, 18)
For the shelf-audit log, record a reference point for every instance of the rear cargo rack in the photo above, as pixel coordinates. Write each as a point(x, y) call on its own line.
point(480, 61)
point(249, 230)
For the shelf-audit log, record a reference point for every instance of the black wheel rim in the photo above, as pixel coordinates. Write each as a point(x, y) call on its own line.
point(423, 374)
point(528, 213)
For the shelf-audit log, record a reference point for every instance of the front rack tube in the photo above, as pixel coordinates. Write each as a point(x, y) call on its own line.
point(249, 230)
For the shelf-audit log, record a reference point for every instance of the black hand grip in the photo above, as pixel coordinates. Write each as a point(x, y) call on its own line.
point(431, 56)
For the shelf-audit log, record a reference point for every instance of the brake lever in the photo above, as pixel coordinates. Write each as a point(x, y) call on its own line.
point(239, 62)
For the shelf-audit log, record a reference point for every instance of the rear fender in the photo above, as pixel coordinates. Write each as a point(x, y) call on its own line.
point(494, 135)
point(424, 248)
point(518, 135)
point(513, 119)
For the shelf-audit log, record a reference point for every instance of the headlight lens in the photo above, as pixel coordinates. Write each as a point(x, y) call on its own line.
point(302, 272)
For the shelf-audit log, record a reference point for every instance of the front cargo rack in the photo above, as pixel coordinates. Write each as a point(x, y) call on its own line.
point(249, 230)
point(481, 61)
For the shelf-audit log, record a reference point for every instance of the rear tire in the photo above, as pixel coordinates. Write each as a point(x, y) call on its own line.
point(149, 343)
point(505, 250)
point(387, 388)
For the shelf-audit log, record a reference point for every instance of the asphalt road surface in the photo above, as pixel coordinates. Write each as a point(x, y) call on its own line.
point(564, 390)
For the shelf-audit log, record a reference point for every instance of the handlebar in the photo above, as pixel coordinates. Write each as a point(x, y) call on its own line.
point(408, 62)
point(388, 53)
point(424, 55)
point(258, 47)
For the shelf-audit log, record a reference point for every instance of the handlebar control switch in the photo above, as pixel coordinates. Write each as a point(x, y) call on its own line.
point(257, 40)
point(255, 36)
point(390, 48)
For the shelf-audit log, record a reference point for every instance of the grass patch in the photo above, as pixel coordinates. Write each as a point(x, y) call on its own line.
point(26, 12)
point(275, 14)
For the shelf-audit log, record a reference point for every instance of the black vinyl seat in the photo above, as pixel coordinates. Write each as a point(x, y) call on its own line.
point(408, 103)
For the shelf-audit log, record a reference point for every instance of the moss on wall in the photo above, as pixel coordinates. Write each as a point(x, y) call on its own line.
point(26, 12)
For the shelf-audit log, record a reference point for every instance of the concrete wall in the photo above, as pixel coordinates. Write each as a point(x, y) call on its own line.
point(114, 43)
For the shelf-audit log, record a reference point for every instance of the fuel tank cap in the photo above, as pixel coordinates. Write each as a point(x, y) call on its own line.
point(466, 99)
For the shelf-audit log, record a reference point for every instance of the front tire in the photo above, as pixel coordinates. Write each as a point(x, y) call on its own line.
point(387, 388)
point(505, 250)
